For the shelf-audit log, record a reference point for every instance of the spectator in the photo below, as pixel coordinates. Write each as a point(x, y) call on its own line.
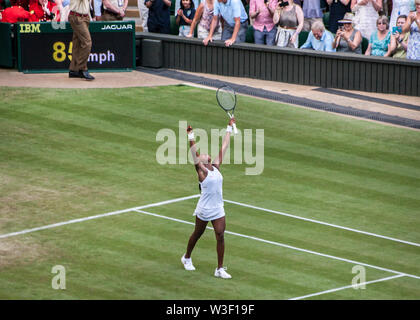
point(97, 9)
point(289, 20)
point(399, 7)
point(43, 10)
point(64, 8)
point(380, 40)
point(178, 4)
point(338, 9)
point(159, 20)
point(348, 39)
point(319, 39)
point(58, 9)
point(204, 14)
point(262, 12)
point(311, 12)
point(184, 17)
point(399, 40)
point(365, 15)
point(16, 14)
point(387, 7)
point(144, 14)
point(413, 25)
point(79, 18)
point(235, 20)
point(114, 10)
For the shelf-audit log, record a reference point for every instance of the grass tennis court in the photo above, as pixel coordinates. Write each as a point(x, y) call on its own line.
point(68, 154)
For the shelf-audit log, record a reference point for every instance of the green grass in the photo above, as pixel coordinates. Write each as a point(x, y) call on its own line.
point(67, 154)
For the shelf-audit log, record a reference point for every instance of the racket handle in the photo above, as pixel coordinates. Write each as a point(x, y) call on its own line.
point(235, 130)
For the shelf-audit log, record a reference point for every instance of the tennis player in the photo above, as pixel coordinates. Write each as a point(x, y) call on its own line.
point(210, 205)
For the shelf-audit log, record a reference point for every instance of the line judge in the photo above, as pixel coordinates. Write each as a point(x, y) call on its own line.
point(79, 18)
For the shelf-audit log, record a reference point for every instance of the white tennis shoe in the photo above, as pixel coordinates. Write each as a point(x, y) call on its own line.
point(187, 263)
point(221, 273)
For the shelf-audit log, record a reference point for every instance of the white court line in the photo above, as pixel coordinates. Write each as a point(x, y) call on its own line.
point(138, 209)
point(321, 222)
point(286, 246)
point(347, 287)
point(54, 225)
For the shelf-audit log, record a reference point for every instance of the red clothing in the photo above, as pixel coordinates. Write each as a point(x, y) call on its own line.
point(39, 12)
point(16, 14)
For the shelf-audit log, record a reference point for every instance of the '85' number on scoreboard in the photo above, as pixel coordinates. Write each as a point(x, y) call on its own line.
point(59, 51)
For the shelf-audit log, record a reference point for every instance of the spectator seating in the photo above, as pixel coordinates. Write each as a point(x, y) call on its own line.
point(303, 35)
point(172, 10)
point(174, 26)
point(250, 34)
point(326, 20)
point(365, 44)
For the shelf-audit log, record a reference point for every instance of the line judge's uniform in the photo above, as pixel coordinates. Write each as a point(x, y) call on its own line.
point(210, 206)
point(79, 18)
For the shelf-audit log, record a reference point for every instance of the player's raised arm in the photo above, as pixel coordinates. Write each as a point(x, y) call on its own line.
point(226, 140)
point(198, 164)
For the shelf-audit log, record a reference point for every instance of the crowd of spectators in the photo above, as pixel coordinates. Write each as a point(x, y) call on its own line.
point(371, 27)
point(31, 10)
point(389, 28)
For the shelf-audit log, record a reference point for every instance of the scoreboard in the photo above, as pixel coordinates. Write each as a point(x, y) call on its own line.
point(47, 46)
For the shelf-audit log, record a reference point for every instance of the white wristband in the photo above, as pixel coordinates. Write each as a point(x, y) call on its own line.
point(229, 129)
point(191, 136)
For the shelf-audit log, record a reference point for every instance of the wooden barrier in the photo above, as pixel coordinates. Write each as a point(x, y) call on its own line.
point(306, 67)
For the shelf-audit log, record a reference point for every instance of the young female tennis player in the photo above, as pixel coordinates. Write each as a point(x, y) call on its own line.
point(210, 205)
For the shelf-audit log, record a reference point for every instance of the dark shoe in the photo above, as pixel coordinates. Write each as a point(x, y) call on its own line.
point(86, 75)
point(74, 74)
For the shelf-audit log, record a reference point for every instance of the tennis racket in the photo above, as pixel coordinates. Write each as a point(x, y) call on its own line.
point(226, 98)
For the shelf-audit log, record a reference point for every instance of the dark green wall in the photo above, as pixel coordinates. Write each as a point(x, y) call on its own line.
point(6, 45)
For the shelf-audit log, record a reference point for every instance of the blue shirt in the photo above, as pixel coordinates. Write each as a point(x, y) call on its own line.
point(324, 44)
point(158, 14)
point(379, 47)
point(230, 10)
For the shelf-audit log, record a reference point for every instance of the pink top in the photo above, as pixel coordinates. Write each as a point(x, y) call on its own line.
point(264, 18)
point(207, 16)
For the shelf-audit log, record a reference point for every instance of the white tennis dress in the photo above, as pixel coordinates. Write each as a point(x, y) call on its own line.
point(210, 206)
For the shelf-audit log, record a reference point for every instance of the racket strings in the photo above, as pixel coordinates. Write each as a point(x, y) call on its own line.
point(226, 99)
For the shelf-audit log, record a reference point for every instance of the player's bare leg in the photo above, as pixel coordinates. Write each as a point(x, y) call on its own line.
point(200, 227)
point(219, 226)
